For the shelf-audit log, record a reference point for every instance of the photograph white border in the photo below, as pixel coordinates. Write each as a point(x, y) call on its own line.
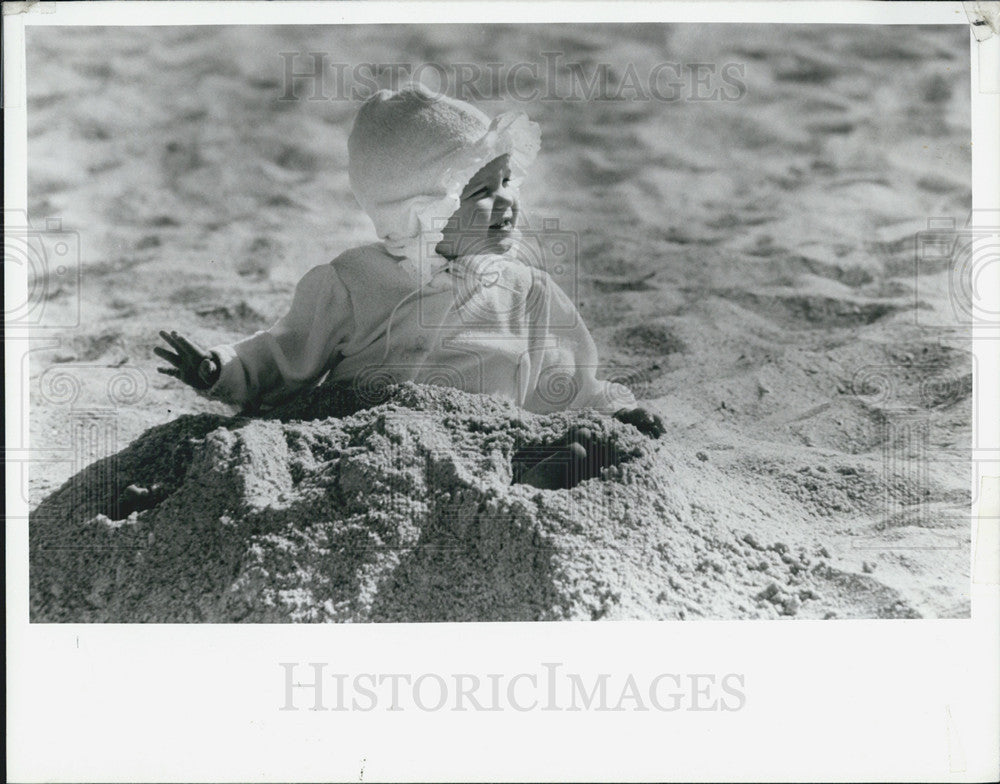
point(844, 700)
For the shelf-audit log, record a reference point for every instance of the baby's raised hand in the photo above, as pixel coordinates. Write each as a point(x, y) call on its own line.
point(191, 364)
point(644, 421)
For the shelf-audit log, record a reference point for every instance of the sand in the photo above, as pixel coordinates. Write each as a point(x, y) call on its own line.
point(746, 266)
point(408, 511)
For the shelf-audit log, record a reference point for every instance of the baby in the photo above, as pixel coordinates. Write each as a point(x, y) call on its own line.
point(446, 297)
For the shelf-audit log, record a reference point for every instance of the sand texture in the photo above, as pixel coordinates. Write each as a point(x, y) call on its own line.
point(407, 512)
point(747, 267)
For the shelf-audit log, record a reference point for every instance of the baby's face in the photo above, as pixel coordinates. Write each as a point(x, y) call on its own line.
point(484, 221)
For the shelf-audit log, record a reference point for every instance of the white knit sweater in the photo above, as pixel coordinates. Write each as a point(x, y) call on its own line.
point(489, 325)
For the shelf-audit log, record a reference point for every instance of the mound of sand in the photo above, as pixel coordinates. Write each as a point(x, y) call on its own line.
point(408, 511)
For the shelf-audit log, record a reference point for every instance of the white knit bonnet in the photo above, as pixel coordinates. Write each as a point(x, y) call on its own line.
point(412, 152)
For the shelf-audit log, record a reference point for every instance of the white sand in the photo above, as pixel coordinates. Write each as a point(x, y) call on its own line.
point(747, 266)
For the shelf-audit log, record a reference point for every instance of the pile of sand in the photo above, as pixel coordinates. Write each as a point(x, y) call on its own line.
point(407, 511)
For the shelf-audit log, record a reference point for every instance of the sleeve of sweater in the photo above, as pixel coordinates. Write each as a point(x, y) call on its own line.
point(298, 350)
point(564, 358)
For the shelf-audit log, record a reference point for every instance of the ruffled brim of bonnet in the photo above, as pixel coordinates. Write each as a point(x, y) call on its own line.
point(510, 133)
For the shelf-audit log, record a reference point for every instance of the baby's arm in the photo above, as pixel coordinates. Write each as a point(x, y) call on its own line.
point(575, 356)
point(295, 352)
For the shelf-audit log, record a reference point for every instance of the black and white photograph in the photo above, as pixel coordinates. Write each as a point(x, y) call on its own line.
point(428, 322)
point(507, 324)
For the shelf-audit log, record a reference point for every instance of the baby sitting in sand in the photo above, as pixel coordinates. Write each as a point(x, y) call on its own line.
point(446, 297)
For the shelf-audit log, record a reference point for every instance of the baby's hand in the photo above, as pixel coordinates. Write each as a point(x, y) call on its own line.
point(191, 364)
point(645, 422)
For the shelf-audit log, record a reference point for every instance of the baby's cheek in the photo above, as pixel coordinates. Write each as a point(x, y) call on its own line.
point(482, 218)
